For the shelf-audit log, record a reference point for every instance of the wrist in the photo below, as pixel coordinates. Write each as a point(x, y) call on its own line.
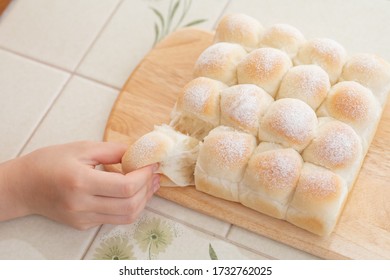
point(12, 194)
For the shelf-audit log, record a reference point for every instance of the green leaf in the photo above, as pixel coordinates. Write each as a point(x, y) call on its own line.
point(213, 255)
point(173, 12)
point(186, 7)
point(195, 22)
point(171, 15)
point(160, 16)
point(156, 34)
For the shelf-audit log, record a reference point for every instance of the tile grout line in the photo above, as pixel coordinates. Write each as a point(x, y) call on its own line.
point(58, 68)
point(45, 113)
point(71, 75)
point(220, 237)
point(91, 242)
point(98, 36)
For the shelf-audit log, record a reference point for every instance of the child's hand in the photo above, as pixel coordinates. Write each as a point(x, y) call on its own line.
point(61, 183)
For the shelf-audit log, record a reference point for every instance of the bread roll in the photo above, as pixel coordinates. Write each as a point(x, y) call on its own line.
point(264, 67)
point(325, 53)
point(270, 179)
point(176, 153)
point(337, 147)
point(197, 109)
point(290, 122)
point(354, 104)
point(371, 71)
point(243, 105)
point(222, 161)
point(309, 83)
point(284, 37)
point(240, 29)
point(318, 200)
point(219, 62)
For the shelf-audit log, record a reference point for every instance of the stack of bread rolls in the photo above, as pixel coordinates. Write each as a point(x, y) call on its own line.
point(271, 120)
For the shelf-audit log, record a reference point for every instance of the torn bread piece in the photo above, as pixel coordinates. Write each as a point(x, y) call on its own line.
point(176, 153)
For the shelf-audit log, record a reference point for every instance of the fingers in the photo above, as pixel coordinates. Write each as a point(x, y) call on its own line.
point(104, 152)
point(125, 206)
point(118, 211)
point(118, 185)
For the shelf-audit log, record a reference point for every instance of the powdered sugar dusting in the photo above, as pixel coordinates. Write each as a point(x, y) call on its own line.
point(318, 182)
point(351, 101)
point(240, 23)
point(266, 59)
point(217, 54)
point(365, 64)
point(287, 30)
point(338, 147)
point(143, 149)
point(196, 96)
point(306, 82)
point(278, 170)
point(293, 119)
point(328, 48)
point(312, 80)
point(282, 36)
point(243, 105)
point(232, 147)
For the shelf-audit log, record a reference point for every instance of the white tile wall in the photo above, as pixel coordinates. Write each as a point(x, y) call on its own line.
point(54, 31)
point(27, 90)
point(80, 113)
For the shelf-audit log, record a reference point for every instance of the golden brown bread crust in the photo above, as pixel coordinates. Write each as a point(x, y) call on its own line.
point(148, 149)
point(318, 200)
point(219, 62)
point(240, 29)
point(371, 71)
point(242, 107)
point(284, 37)
point(324, 52)
point(270, 179)
point(264, 67)
point(351, 102)
point(225, 153)
point(336, 145)
point(197, 109)
point(309, 83)
point(289, 122)
point(222, 160)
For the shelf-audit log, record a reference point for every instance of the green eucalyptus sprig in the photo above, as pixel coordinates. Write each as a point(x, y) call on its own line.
point(173, 20)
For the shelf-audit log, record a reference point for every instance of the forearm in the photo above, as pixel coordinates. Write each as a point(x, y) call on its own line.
point(12, 203)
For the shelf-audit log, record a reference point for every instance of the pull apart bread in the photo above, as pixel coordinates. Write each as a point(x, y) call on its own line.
point(273, 121)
